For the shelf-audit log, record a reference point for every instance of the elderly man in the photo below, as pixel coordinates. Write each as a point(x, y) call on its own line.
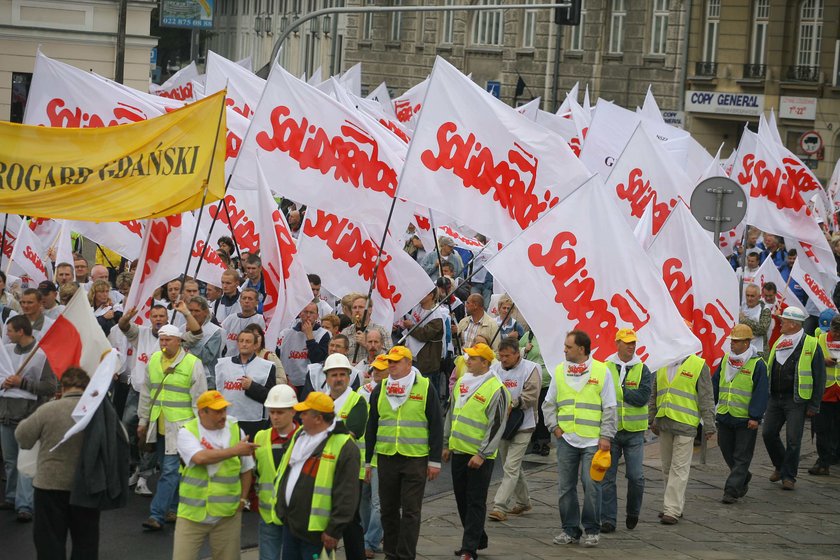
point(448, 254)
point(304, 343)
point(797, 381)
point(477, 322)
point(208, 348)
point(405, 442)
point(474, 427)
point(174, 381)
point(317, 484)
point(316, 379)
point(741, 392)
point(827, 422)
point(580, 409)
point(374, 346)
point(362, 323)
point(756, 316)
point(214, 487)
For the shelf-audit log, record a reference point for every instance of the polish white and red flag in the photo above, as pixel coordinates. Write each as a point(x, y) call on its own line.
point(75, 338)
point(10, 224)
point(408, 105)
point(700, 280)
point(30, 256)
point(344, 254)
point(561, 272)
point(642, 175)
point(477, 160)
point(327, 155)
point(808, 272)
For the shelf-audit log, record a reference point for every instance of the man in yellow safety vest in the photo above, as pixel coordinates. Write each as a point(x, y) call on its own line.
point(827, 422)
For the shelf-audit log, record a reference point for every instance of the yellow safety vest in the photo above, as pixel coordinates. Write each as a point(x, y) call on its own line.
point(832, 373)
point(579, 412)
point(174, 400)
point(804, 378)
point(200, 494)
point(734, 396)
point(348, 405)
point(630, 418)
point(677, 399)
point(470, 422)
point(267, 471)
point(404, 431)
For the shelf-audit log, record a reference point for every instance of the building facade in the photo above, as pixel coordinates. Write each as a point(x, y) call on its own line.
point(82, 33)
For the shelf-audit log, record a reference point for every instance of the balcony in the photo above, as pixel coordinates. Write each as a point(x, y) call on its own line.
point(755, 71)
point(804, 73)
point(705, 69)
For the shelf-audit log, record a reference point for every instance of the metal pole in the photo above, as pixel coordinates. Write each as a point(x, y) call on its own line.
point(334, 46)
point(555, 104)
point(119, 63)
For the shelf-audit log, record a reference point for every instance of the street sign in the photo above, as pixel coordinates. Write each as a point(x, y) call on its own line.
point(719, 204)
point(811, 142)
point(495, 88)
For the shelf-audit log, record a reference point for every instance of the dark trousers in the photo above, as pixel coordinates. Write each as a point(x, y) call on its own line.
point(471, 487)
point(354, 535)
point(784, 411)
point(737, 446)
point(541, 434)
point(298, 549)
point(402, 483)
point(54, 517)
point(827, 428)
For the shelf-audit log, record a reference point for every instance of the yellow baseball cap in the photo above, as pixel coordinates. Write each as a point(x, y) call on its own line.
point(626, 335)
point(396, 354)
point(380, 363)
point(317, 401)
point(600, 464)
point(211, 399)
point(481, 350)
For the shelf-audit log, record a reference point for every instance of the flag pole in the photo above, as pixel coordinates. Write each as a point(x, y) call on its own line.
point(3, 242)
point(502, 324)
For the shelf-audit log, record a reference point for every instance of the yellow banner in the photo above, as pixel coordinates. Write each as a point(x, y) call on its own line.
point(141, 170)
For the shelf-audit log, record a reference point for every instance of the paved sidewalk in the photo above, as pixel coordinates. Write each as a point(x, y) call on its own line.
point(769, 523)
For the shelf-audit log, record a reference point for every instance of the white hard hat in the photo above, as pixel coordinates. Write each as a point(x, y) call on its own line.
point(794, 314)
point(281, 396)
point(337, 361)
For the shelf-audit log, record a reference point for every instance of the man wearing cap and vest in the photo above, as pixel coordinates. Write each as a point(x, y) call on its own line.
point(473, 430)
point(317, 484)
point(684, 395)
point(580, 408)
point(214, 482)
point(741, 392)
point(633, 383)
point(404, 444)
point(352, 410)
point(522, 379)
point(273, 443)
point(827, 422)
point(174, 381)
point(797, 381)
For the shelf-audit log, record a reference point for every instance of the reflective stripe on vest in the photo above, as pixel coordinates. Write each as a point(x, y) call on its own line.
point(174, 400)
point(579, 412)
point(470, 421)
point(630, 418)
point(348, 405)
point(832, 373)
point(404, 431)
point(202, 495)
point(267, 471)
point(734, 396)
point(804, 379)
point(677, 399)
point(319, 514)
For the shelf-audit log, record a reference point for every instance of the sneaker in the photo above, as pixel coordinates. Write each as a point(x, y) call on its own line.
point(776, 476)
point(497, 515)
point(631, 521)
point(141, 489)
point(728, 499)
point(563, 538)
point(132, 480)
point(591, 540)
point(607, 527)
point(171, 517)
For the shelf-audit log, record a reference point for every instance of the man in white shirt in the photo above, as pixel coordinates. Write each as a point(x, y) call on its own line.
point(234, 323)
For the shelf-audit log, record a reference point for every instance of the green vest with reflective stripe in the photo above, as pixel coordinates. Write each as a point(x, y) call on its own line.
point(470, 421)
point(804, 379)
point(319, 515)
point(267, 473)
point(348, 405)
point(202, 495)
point(832, 373)
point(630, 418)
point(579, 412)
point(404, 431)
point(677, 399)
point(174, 401)
point(734, 396)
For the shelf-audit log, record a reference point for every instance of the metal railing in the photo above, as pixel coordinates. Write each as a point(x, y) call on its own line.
point(705, 69)
point(804, 73)
point(755, 71)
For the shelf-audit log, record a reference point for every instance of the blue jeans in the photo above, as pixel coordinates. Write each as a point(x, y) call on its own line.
point(166, 493)
point(270, 540)
point(571, 461)
point(369, 510)
point(298, 549)
point(18, 487)
point(784, 411)
point(632, 446)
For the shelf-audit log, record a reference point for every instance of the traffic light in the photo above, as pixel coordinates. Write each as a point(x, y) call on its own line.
point(568, 16)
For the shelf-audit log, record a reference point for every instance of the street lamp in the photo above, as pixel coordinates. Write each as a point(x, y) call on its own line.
point(258, 25)
point(295, 17)
point(327, 25)
point(284, 22)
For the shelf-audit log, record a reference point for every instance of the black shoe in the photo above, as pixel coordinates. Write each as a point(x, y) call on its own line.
point(728, 499)
point(546, 450)
point(631, 522)
point(152, 524)
point(818, 470)
point(8, 506)
point(24, 517)
point(607, 527)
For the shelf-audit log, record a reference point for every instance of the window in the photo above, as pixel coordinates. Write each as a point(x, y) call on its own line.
point(447, 24)
point(659, 36)
point(576, 35)
point(761, 18)
point(367, 23)
point(711, 31)
point(810, 33)
point(396, 22)
point(529, 27)
point(20, 92)
point(488, 26)
point(619, 13)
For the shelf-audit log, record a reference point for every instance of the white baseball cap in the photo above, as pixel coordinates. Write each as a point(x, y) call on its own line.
point(281, 396)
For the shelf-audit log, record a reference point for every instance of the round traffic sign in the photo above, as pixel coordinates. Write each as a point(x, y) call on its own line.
point(811, 142)
point(719, 204)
